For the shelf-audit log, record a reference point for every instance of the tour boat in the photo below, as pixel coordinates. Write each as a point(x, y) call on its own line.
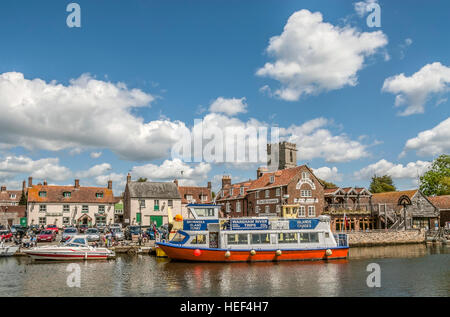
point(8, 250)
point(256, 239)
point(76, 248)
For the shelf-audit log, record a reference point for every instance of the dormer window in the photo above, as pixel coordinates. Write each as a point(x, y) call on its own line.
point(42, 194)
point(99, 195)
point(272, 179)
point(67, 194)
point(12, 196)
point(189, 197)
point(242, 190)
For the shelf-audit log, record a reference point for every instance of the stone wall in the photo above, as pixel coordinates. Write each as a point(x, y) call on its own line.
point(371, 238)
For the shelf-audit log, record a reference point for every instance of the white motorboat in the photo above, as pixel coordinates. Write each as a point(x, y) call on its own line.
point(76, 248)
point(8, 250)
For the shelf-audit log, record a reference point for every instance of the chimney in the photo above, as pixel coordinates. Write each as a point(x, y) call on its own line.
point(77, 183)
point(3, 188)
point(226, 181)
point(110, 184)
point(45, 182)
point(128, 178)
point(176, 182)
point(209, 185)
point(24, 184)
point(260, 171)
point(30, 181)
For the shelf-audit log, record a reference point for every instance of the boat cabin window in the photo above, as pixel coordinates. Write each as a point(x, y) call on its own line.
point(179, 237)
point(309, 237)
point(199, 239)
point(287, 237)
point(260, 238)
point(237, 238)
point(204, 212)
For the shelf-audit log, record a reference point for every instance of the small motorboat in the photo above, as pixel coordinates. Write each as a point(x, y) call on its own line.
point(76, 248)
point(8, 250)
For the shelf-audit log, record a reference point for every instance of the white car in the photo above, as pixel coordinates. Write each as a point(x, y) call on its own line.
point(92, 234)
point(117, 233)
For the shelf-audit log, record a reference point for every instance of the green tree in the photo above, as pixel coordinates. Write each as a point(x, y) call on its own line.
point(327, 185)
point(23, 199)
point(142, 179)
point(436, 181)
point(381, 184)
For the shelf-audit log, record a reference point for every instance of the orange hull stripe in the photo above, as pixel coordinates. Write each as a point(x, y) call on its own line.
point(245, 256)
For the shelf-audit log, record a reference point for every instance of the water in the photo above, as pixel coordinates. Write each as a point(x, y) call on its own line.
point(408, 270)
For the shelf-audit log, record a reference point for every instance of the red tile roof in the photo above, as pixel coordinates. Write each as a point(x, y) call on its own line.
point(21, 210)
point(441, 202)
point(81, 194)
point(391, 197)
point(282, 178)
point(5, 196)
point(196, 193)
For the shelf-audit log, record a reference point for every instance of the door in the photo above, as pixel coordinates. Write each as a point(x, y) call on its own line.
point(157, 219)
point(138, 218)
point(213, 239)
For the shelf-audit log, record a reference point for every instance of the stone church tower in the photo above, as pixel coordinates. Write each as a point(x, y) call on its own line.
point(281, 155)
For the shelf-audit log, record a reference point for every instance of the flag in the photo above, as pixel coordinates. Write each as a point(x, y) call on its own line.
point(345, 220)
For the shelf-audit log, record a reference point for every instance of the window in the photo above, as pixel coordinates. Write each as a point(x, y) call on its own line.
point(257, 194)
point(99, 195)
point(238, 206)
point(85, 208)
point(309, 237)
point(287, 237)
point(242, 191)
point(199, 239)
point(267, 193)
point(267, 209)
point(179, 237)
point(291, 157)
point(237, 238)
point(257, 209)
point(278, 209)
point(311, 211)
point(100, 220)
point(272, 179)
point(170, 203)
point(205, 212)
point(101, 209)
point(66, 208)
point(305, 175)
point(228, 207)
point(203, 198)
point(142, 203)
point(278, 192)
point(42, 221)
point(156, 205)
point(260, 238)
point(12, 196)
point(189, 198)
point(42, 208)
point(66, 220)
point(306, 193)
point(302, 211)
point(67, 194)
point(42, 194)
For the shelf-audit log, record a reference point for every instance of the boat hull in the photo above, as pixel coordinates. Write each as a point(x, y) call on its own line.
point(179, 253)
point(8, 251)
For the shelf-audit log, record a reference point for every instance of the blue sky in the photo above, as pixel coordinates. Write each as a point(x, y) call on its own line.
point(171, 60)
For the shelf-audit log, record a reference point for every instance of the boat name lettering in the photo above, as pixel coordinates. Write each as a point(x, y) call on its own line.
point(249, 224)
point(303, 223)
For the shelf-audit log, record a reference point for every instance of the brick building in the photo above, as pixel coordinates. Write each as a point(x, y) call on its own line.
point(193, 195)
point(11, 197)
point(12, 215)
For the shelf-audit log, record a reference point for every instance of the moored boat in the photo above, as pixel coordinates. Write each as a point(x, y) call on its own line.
point(8, 250)
point(76, 248)
point(256, 239)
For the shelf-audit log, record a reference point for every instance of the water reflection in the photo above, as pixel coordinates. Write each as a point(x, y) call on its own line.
point(148, 276)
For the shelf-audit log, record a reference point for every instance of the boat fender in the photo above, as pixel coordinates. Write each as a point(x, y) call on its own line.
point(197, 252)
point(85, 256)
point(328, 252)
point(227, 254)
point(278, 253)
point(252, 252)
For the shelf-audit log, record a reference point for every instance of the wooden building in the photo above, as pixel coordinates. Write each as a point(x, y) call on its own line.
point(442, 203)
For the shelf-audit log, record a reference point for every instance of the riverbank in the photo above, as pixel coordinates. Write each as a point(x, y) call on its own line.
point(385, 238)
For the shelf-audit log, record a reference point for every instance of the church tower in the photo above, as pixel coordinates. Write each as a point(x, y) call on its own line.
point(281, 156)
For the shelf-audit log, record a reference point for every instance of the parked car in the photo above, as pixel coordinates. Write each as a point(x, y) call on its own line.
point(83, 228)
point(93, 234)
point(46, 235)
point(18, 229)
point(117, 233)
point(101, 227)
point(68, 233)
point(6, 235)
point(150, 233)
point(132, 230)
point(52, 228)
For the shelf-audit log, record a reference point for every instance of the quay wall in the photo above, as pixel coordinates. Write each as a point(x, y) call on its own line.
point(373, 238)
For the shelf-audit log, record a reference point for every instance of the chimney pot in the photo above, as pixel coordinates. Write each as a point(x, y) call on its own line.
point(77, 183)
point(45, 182)
point(128, 178)
point(110, 184)
point(209, 185)
point(3, 189)
point(30, 181)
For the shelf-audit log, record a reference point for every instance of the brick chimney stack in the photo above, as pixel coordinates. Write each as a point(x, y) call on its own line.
point(128, 178)
point(24, 184)
point(226, 181)
point(45, 182)
point(209, 185)
point(77, 183)
point(110, 184)
point(3, 188)
point(30, 181)
point(176, 182)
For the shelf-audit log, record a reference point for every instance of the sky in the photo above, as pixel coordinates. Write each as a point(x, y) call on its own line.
point(138, 78)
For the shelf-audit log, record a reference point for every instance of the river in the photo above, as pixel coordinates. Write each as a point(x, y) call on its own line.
point(406, 270)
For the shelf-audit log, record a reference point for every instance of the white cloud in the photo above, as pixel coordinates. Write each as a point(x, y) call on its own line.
point(47, 168)
point(396, 171)
point(433, 142)
point(230, 106)
point(85, 113)
point(95, 170)
point(118, 181)
point(362, 7)
point(328, 174)
point(95, 155)
point(414, 91)
point(187, 174)
point(313, 56)
point(315, 141)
